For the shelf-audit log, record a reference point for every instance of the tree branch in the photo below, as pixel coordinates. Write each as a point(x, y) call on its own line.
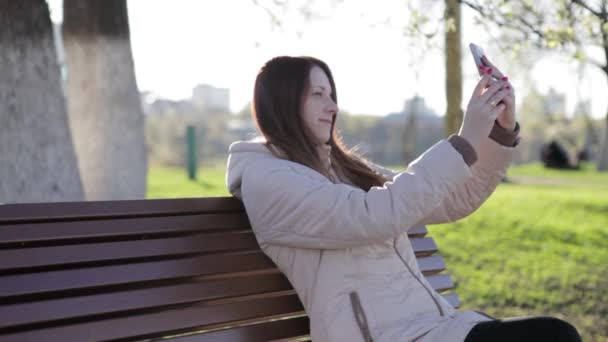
point(502, 22)
point(273, 17)
point(600, 15)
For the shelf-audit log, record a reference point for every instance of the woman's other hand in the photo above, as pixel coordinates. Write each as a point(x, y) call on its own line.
point(507, 118)
point(484, 108)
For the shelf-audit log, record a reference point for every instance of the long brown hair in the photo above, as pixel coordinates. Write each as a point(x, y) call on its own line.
point(277, 101)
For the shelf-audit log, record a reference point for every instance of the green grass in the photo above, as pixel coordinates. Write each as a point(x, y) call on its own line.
point(539, 245)
point(167, 182)
point(535, 173)
point(536, 248)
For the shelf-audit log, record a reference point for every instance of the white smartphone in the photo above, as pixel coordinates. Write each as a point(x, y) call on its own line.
point(477, 53)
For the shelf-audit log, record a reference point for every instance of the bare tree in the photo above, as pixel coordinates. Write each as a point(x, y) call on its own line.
point(37, 158)
point(570, 26)
point(104, 104)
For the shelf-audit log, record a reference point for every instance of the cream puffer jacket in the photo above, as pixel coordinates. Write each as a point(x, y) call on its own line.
point(346, 250)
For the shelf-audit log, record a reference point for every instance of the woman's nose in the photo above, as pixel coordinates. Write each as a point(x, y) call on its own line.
point(331, 106)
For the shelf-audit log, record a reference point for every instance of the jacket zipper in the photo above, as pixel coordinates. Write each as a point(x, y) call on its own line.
point(360, 317)
point(418, 279)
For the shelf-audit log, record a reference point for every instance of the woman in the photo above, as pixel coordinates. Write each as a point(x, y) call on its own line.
point(336, 224)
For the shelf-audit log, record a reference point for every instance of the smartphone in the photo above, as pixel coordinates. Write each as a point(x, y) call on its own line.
point(477, 53)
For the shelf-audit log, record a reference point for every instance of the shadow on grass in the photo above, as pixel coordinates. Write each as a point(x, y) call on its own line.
point(589, 207)
point(204, 185)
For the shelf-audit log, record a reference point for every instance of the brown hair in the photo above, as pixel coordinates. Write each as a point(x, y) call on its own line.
point(277, 101)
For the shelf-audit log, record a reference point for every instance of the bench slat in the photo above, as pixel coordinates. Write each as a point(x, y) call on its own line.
point(169, 322)
point(275, 330)
point(431, 264)
point(92, 229)
point(452, 298)
point(115, 302)
point(79, 253)
point(13, 259)
point(248, 333)
point(423, 246)
point(31, 212)
point(56, 232)
point(420, 231)
point(21, 284)
point(441, 282)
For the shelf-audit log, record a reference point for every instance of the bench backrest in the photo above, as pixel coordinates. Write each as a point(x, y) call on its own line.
point(146, 269)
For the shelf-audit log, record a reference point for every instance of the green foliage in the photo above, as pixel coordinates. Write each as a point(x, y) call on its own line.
point(569, 26)
point(537, 246)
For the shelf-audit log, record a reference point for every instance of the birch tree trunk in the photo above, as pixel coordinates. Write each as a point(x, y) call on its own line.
point(37, 158)
point(104, 103)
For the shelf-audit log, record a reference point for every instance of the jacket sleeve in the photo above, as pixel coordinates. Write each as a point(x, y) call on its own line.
point(488, 171)
point(291, 208)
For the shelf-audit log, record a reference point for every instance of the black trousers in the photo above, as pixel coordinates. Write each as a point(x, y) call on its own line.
point(523, 329)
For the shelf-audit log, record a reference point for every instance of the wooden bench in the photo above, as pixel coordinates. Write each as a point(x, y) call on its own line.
point(147, 269)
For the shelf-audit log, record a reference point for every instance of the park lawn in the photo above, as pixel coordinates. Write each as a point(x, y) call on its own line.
point(534, 250)
point(169, 182)
point(539, 245)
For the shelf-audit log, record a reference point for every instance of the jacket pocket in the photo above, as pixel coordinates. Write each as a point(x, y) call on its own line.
point(360, 317)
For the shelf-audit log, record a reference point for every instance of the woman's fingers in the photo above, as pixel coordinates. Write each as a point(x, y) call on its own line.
point(496, 111)
point(509, 99)
point(481, 85)
point(495, 99)
point(495, 71)
point(493, 89)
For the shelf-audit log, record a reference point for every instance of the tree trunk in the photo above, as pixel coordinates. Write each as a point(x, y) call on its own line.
point(453, 115)
point(409, 137)
point(37, 158)
point(104, 103)
point(602, 164)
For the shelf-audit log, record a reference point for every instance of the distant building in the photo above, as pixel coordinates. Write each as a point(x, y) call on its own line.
point(209, 98)
point(155, 106)
point(416, 105)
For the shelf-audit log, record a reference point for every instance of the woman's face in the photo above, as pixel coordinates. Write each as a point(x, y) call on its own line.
point(318, 108)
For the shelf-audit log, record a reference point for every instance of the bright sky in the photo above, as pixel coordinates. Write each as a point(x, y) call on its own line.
point(179, 44)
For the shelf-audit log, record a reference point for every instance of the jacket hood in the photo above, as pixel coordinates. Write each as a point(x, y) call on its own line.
point(241, 155)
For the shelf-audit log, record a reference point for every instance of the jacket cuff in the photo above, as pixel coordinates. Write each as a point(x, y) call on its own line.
point(504, 136)
point(463, 147)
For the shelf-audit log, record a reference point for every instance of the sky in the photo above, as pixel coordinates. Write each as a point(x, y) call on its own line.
point(179, 44)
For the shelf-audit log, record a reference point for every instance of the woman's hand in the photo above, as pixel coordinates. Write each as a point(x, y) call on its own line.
point(507, 118)
point(484, 108)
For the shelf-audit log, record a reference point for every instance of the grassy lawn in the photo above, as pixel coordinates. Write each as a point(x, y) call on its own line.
point(539, 245)
point(166, 182)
